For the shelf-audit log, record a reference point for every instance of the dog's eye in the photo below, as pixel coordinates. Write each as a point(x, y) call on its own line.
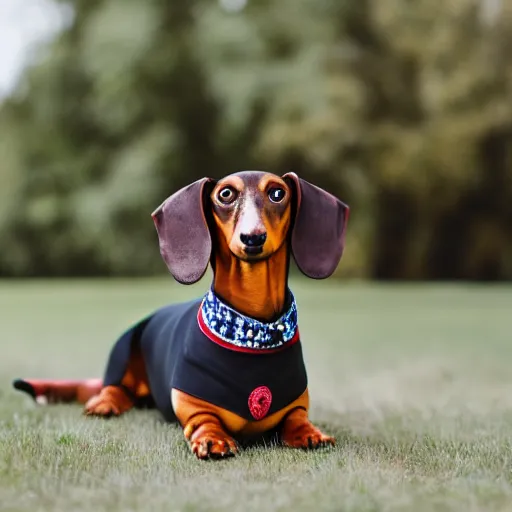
point(276, 195)
point(227, 195)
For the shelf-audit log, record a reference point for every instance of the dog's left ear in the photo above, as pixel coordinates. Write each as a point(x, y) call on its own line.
point(185, 241)
point(318, 235)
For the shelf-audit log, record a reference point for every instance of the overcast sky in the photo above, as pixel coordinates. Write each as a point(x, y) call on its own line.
point(23, 25)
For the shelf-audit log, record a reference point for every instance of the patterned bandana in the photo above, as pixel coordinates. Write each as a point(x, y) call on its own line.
point(231, 329)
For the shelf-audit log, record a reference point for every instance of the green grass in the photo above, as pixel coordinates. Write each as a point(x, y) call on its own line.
point(414, 381)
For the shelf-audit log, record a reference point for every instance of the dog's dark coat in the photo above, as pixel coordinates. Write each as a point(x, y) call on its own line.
point(178, 355)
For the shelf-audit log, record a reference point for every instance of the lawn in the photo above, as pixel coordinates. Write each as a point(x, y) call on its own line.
point(414, 381)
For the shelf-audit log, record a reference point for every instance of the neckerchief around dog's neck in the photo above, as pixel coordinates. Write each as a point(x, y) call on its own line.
point(225, 326)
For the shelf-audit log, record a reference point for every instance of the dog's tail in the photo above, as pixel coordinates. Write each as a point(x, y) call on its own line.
point(45, 391)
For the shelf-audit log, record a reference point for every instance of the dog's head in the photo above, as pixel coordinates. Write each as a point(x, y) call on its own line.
point(254, 213)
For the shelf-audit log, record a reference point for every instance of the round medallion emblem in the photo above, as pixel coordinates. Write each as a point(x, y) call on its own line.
point(259, 402)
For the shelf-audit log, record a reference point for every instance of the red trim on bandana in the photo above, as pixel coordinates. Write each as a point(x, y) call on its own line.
point(231, 346)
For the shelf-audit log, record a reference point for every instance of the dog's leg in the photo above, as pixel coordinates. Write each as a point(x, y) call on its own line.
point(299, 432)
point(207, 437)
point(203, 426)
point(126, 379)
point(111, 401)
point(116, 400)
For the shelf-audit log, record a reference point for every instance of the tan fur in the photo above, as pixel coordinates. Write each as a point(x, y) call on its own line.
point(111, 401)
point(255, 288)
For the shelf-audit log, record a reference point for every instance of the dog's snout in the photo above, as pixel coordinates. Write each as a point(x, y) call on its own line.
point(253, 240)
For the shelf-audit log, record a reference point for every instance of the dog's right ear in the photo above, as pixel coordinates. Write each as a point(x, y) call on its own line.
point(318, 235)
point(184, 237)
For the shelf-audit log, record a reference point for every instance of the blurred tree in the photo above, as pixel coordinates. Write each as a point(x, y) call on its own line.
point(400, 108)
point(116, 117)
point(438, 81)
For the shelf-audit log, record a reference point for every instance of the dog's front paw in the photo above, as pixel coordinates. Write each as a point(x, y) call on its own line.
point(208, 439)
point(299, 432)
point(213, 445)
point(307, 437)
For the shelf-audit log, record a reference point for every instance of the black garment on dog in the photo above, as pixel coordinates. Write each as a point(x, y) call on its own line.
point(179, 355)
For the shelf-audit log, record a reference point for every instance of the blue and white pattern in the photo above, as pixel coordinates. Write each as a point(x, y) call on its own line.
point(242, 331)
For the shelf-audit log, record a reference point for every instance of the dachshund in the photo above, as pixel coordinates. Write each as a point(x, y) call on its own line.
point(228, 365)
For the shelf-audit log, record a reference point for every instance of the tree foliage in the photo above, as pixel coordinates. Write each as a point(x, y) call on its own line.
point(400, 108)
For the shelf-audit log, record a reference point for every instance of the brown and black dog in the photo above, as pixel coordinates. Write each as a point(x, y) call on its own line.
point(251, 379)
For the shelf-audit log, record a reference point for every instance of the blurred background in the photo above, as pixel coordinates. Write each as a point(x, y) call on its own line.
point(402, 108)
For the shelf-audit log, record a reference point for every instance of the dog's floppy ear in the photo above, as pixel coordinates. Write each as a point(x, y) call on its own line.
point(318, 235)
point(185, 241)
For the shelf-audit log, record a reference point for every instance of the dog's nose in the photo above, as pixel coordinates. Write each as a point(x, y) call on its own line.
point(253, 240)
